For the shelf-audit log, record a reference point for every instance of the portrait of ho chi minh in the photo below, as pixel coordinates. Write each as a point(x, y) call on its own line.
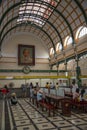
point(26, 56)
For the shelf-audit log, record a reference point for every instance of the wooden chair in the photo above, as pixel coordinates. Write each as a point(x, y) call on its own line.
point(49, 107)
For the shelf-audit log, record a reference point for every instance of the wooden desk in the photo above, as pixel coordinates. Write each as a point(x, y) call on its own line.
point(53, 99)
point(68, 94)
point(65, 103)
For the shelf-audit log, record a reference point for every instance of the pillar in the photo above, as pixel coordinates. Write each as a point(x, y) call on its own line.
point(57, 69)
point(78, 72)
point(65, 63)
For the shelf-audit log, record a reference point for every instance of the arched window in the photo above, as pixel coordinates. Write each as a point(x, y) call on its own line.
point(81, 32)
point(68, 41)
point(51, 51)
point(59, 47)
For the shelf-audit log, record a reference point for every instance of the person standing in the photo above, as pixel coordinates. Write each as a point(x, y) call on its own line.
point(31, 91)
point(48, 87)
point(74, 86)
point(51, 85)
point(37, 86)
point(24, 90)
point(60, 83)
point(5, 91)
point(56, 88)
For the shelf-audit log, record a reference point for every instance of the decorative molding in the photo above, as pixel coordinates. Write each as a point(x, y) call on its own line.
point(33, 71)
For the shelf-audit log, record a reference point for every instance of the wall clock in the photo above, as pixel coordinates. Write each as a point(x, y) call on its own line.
point(26, 69)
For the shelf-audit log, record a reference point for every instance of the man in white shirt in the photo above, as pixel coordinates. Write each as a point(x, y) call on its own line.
point(74, 86)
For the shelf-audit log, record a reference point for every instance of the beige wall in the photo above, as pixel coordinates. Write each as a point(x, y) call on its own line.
point(10, 59)
point(10, 52)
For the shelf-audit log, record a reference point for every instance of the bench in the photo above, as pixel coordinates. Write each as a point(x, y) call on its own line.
point(49, 107)
point(79, 105)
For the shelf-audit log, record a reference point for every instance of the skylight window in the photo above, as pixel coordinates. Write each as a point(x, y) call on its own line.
point(36, 12)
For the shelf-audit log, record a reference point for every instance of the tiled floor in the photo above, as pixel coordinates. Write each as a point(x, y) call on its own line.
point(26, 116)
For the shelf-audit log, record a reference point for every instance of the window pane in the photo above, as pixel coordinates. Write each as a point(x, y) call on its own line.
point(59, 47)
point(81, 32)
point(68, 40)
point(51, 51)
point(31, 10)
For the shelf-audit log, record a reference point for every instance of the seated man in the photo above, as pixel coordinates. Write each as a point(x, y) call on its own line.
point(83, 95)
point(13, 99)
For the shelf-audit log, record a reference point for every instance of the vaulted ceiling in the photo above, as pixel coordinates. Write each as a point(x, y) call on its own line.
point(51, 20)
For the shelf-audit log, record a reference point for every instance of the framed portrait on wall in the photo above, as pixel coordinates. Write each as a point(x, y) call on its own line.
point(26, 54)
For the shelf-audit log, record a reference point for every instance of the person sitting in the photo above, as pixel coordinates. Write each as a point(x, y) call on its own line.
point(82, 95)
point(13, 99)
point(76, 95)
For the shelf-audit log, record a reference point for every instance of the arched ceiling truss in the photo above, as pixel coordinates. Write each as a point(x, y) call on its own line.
point(82, 10)
point(38, 16)
point(55, 18)
point(35, 26)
